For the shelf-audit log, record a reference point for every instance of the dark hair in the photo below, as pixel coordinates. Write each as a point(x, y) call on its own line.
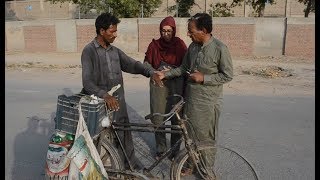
point(104, 20)
point(202, 20)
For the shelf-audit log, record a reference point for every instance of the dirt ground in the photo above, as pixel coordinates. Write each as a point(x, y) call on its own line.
point(262, 76)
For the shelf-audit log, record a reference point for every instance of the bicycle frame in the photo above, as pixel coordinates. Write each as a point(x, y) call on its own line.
point(143, 127)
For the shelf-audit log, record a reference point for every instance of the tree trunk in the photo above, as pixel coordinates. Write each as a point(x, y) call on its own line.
point(261, 8)
point(307, 11)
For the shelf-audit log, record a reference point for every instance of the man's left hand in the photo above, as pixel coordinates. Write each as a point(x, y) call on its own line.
point(197, 76)
point(157, 78)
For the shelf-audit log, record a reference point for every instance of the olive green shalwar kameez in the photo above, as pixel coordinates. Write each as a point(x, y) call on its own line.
point(203, 101)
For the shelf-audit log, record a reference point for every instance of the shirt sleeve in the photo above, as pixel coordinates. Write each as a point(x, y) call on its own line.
point(148, 65)
point(133, 66)
point(225, 70)
point(87, 75)
point(179, 70)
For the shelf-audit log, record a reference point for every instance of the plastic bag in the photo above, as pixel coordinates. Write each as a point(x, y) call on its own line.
point(86, 162)
point(57, 162)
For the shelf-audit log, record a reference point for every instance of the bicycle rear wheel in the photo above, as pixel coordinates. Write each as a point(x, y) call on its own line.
point(228, 164)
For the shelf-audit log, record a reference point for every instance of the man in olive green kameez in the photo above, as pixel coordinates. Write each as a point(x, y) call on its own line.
point(209, 64)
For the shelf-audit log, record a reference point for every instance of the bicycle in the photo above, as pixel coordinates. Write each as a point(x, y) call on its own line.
point(226, 162)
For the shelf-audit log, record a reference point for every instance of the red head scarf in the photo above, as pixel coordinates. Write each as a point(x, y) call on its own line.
point(171, 52)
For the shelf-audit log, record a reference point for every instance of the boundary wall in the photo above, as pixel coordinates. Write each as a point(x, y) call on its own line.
point(243, 36)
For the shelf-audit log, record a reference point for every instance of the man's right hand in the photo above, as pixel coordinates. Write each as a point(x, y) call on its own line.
point(112, 102)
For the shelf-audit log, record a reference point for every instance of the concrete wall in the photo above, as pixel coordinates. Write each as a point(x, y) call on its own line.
point(269, 36)
point(243, 36)
point(66, 38)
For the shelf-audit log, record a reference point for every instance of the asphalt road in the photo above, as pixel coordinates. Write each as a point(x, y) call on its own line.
point(275, 134)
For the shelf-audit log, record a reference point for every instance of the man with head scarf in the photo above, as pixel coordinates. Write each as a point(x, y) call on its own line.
point(165, 53)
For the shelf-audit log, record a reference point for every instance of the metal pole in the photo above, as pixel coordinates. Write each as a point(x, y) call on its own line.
point(284, 36)
point(212, 8)
point(167, 7)
point(244, 8)
point(205, 6)
point(285, 9)
point(177, 9)
point(79, 11)
point(142, 10)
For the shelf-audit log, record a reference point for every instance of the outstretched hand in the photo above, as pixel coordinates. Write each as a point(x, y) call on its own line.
point(157, 78)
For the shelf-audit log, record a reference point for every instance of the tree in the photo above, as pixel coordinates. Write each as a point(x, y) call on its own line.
point(223, 9)
point(183, 6)
point(310, 6)
point(259, 6)
point(120, 8)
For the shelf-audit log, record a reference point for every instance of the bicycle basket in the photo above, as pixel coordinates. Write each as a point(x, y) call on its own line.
point(67, 114)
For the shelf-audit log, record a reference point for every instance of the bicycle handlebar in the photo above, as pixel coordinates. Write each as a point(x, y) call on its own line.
point(175, 109)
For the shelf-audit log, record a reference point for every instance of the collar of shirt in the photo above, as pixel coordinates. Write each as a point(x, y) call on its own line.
point(208, 42)
point(96, 44)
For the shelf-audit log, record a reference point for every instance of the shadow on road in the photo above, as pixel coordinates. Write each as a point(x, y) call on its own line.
point(144, 144)
point(147, 137)
point(30, 148)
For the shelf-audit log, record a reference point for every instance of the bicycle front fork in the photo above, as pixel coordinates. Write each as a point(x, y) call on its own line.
point(198, 164)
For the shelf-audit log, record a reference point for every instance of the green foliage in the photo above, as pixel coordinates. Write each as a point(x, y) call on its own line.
point(224, 10)
point(184, 7)
point(259, 6)
point(220, 10)
point(120, 8)
point(310, 6)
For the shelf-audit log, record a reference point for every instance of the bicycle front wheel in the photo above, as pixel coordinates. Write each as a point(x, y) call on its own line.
point(111, 159)
point(227, 165)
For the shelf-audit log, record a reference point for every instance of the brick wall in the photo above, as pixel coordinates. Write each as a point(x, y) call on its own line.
point(40, 38)
point(238, 37)
point(300, 40)
point(85, 34)
point(146, 33)
point(243, 36)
